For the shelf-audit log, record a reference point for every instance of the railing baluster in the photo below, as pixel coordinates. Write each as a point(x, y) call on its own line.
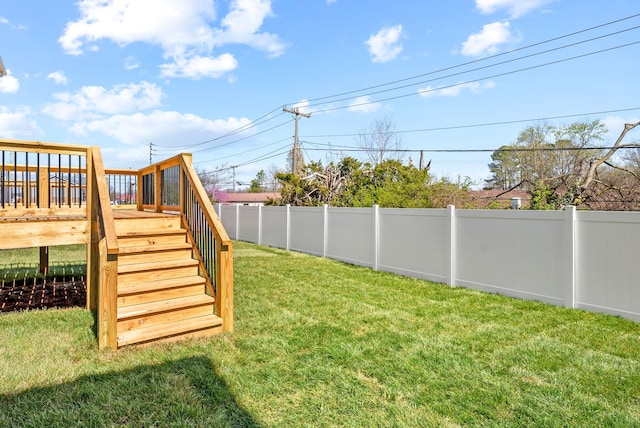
point(27, 183)
point(15, 180)
point(59, 180)
point(2, 183)
point(48, 180)
point(69, 183)
point(38, 180)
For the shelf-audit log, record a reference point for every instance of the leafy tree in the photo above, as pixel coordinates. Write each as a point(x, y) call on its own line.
point(352, 183)
point(257, 184)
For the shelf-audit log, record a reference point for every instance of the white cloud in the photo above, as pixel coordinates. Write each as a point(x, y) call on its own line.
point(183, 28)
point(488, 40)
point(131, 63)
point(58, 77)
point(197, 66)
point(96, 101)
point(385, 44)
point(163, 128)
point(364, 105)
point(242, 25)
point(9, 84)
point(516, 8)
point(16, 124)
point(455, 90)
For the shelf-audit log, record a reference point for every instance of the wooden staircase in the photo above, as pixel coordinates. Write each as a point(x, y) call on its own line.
point(161, 296)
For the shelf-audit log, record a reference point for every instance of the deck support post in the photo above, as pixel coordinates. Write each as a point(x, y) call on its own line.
point(44, 260)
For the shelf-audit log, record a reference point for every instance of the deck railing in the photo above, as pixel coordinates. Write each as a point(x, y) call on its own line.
point(173, 186)
point(42, 177)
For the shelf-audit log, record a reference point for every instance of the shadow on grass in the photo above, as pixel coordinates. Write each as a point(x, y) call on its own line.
point(185, 392)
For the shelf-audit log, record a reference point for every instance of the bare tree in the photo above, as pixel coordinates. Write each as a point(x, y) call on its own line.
point(380, 141)
point(593, 183)
point(213, 180)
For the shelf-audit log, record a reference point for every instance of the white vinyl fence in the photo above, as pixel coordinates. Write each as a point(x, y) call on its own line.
point(578, 259)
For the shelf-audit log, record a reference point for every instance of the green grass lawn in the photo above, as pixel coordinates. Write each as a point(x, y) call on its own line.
point(319, 343)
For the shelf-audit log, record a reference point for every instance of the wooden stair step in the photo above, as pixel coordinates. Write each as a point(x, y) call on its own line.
point(151, 232)
point(200, 326)
point(172, 236)
point(152, 266)
point(136, 249)
point(161, 284)
point(150, 308)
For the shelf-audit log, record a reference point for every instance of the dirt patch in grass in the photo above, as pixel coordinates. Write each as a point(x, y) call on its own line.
point(41, 293)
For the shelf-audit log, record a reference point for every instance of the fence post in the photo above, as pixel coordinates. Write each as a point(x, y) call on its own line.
point(219, 210)
point(570, 254)
point(376, 235)
point(288, 232)
point(259, 224)
point(451, 247)
point(237, 221)
point(325, 229)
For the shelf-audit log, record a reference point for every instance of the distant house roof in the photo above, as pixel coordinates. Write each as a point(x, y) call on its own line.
point(483, 198)
point(251, 198)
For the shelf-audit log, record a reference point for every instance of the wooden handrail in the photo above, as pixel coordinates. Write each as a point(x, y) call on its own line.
point(223, 246)
point(102, 289)
point(204, 201)
point(104, 203)
point(42, 147)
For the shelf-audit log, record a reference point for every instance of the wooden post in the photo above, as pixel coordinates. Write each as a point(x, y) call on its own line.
point(157, 189)
point(139, 192)
point(224, 284)
point(43, 180)
point(44, 260)
point(107, 319)
point(93, 262)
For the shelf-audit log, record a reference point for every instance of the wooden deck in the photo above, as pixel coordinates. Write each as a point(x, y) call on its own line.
point(36, 228)
point(148, 279)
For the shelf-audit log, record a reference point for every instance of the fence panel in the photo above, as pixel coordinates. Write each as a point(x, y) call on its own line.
point(608, 270)
point(249, 224)
point(307, 230)
point(568, 258)
point(517, 253)
point(412, 242)
point(228, 216)
point(351, 235)
point(274, 226)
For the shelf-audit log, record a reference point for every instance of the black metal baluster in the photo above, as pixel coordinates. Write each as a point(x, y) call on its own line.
point(48, 180)
point(69, 183)
point(2, 183)
point(59, 180)
point(15, 180)
point(38, 180)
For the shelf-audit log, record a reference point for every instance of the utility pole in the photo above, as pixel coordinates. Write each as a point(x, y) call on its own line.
point(150, 153)
point(296, 148)
point(233, 167)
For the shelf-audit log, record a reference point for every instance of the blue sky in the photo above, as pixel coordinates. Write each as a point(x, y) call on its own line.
point(211, 77)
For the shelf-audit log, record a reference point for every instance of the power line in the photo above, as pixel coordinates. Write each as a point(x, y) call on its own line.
point(477, 60)
point(425, 91)
point(477, 125)
point(256, 122)
point(483, 67)
point(501, 149)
